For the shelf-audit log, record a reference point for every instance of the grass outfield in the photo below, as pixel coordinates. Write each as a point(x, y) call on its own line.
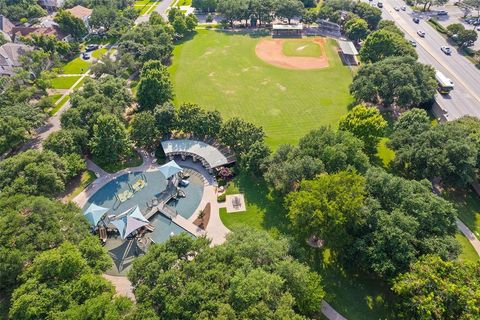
point(221, 71)
point(301, 48)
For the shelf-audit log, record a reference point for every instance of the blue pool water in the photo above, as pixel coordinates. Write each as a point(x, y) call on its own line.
point(155, 184)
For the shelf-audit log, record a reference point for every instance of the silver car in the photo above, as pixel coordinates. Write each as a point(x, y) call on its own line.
point(446, 50)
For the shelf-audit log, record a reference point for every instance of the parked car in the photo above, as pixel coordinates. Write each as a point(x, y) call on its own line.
point(442, 13)
point(413, 43)
point(85, 56)
point(446, 50)
point(416, 20)
point(91, 47)
point(404, 8)
point(380, 5)
point(421, 33)
point(396, 8)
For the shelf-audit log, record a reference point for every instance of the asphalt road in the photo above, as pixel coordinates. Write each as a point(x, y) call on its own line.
point(465, 98)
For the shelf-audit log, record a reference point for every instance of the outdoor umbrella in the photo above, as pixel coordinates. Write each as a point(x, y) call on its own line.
point(94, 214)
point(169, 169)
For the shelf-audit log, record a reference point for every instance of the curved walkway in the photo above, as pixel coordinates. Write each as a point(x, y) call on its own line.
point(470, 235)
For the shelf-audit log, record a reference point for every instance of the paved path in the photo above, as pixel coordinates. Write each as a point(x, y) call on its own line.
point(161, 8)
point(122, 285)
point(470, 235)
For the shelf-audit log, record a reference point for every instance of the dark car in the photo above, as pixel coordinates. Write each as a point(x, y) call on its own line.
point(416, 20)
point(91, 47)
point(380, 5)
point(442, 13)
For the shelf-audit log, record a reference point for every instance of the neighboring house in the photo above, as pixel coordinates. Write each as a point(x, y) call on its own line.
point(10, 54)
point(6, 28)
point(18, 32)
point(82, 13)
point(52, 5)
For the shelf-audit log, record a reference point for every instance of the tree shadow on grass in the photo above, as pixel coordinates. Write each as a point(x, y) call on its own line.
point(353, 294)
point(257, 193)
point(252, 33)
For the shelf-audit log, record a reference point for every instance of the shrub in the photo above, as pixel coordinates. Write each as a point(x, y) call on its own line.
point(209, 18)
point(222, 197)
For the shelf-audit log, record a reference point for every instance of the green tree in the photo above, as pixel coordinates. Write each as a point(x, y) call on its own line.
point(57, 280)
point(255, 158)
point(143, 130)
point(326, 206)
point(232, 10)
point(30, 225)
point(103, 16)
point(109, 142)
point(165, 118)
point(205, 5)
point(33, 172)
point(240, 135)
point(13, 131)
point(249, 277)
point(356, 29)
point(365, 123)
point(465, 37)
point(66, 141)
point(445, 151)
point(370, 14)
point(288, 166)
point(438, 289)
point(455, 28)
point(382, 44)
point(390, 25)
point(70, 24)
point(289, 9)
point(399, 81)
point(155, 87)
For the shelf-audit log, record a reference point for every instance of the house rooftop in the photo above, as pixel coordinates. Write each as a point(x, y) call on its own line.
point(46, 31)
point(80, 12)
point(5, 24)
point(10, 54)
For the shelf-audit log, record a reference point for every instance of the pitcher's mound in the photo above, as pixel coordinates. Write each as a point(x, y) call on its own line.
point(271, 51)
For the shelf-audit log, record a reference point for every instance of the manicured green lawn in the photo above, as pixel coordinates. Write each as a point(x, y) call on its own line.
point(64, 82)
point(76, 66)
point(59, 105)
point(97, 54)
point(467, 203)
point(468, 252)
point(301, 48)
point(355, 296)
point(221, 71)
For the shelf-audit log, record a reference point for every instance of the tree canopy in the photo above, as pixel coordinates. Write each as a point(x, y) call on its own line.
point(365, 123)
point(447, 151)
point(399, 81)
point(437, 289)
point(250, 276)
point(382, 44)
point(154, 87)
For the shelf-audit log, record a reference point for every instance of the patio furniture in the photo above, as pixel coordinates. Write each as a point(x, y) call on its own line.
point(102, 232)
point(236, 202)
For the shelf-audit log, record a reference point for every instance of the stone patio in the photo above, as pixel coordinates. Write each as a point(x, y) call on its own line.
point(235, 203)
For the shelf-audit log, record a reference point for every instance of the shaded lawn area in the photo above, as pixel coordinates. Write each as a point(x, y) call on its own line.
point(220, 71)
point(132, 160)
point(59, 105)
point(76, 66)
point(64, 82)
point(467, 203)
point(355, 296)
point(468, 252)
point(301, 48)
point(77, 184)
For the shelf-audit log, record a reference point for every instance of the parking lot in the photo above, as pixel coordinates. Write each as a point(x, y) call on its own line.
point(456, 15)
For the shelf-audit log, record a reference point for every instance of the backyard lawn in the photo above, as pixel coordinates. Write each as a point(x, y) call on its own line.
point(76, 66)
point(220, 71)
point(64, 82)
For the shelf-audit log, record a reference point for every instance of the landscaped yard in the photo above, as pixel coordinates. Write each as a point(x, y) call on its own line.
point(64, 82)
point(78, 184)
point(220, 71)
point(355, 296)
point(76, 66)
